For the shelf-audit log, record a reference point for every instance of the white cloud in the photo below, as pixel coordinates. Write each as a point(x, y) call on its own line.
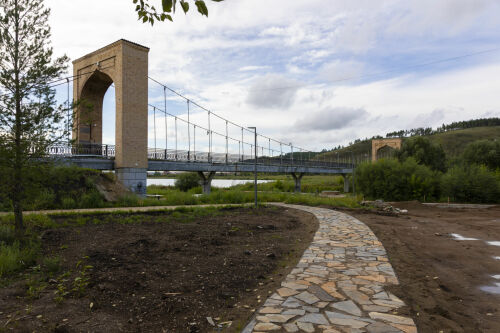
point(330, 119)
point(273, 91)
point(341, 71)
point(308, 45)
point(253, 68)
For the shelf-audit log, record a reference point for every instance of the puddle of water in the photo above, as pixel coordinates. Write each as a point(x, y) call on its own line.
point(492, 289)
point(495, 243)
point(462, 238)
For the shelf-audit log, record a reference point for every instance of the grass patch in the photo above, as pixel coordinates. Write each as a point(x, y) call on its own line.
point(18, 255)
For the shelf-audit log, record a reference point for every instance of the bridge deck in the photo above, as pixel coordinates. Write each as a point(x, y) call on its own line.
point(166, 165)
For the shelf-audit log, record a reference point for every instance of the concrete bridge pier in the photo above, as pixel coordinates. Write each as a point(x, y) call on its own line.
point(134, 179)
point(298, 179)
point(206, 181)
point(346, 183)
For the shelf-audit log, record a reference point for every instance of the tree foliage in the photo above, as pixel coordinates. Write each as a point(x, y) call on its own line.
point(482, 122)
point(424, 152)
point(390, 179)
point(471, 183)
point(187, 181)
point(149, 13)
point(29, 120)
point(483, 152)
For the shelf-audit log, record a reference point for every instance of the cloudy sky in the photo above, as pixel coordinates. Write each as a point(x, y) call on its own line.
point(313, 72)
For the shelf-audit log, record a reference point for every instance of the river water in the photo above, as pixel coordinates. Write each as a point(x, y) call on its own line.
point(222, 183)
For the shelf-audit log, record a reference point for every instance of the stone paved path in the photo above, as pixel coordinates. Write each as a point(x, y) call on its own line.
point(338, 285)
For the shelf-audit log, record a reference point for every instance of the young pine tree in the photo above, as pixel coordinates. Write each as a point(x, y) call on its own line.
point(29, 118)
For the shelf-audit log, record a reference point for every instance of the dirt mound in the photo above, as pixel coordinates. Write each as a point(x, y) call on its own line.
point(110, 188)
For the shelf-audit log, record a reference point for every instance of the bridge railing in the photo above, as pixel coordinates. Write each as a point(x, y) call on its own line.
point(91, 150)
point(108, 151)
point(221, 158)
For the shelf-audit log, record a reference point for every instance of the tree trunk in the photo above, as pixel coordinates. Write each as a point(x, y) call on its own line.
point(18, 164)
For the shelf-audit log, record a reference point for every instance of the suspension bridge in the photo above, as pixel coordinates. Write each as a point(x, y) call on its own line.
point(149, 136)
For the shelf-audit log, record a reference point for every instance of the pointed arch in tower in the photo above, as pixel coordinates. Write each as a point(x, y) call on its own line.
point(126, 65)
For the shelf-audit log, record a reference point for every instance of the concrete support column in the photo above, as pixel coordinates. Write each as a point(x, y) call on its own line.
point(206, 181)
point(298, 179)
point(134, 179)
point(346, 184)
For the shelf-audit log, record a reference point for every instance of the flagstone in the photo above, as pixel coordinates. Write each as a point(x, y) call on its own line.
point(278, 318)
point(291, 328)
point(358, 297)
point(266, 327)
point(307, 297)
point(381, 328)
point(306, 327)
point(314, 318)
point(285, 292)
point(392, 304)
point(381, 295)
point(377, 278)
point(291, 302)
point(349, 307)
point(270, 310)
point(405, 328)
point(391, 318)
point(297, 312)
point(321, 293)
point(314, 280)
point(311, 309)
point(328, 329)
point(345, 268)
point(294, 286)
point(376, 308)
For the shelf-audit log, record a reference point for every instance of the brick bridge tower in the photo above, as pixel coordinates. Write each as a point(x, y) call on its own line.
point(126, 65)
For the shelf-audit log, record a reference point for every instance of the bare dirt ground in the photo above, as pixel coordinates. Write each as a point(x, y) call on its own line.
point(441, 277)
point(159, 275)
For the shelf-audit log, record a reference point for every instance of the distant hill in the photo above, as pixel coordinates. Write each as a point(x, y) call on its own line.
point(453, 142)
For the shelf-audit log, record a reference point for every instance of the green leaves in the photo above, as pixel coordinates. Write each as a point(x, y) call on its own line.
point(148, 13)
point(202, 8)
point(167, 5)
point(185, 6)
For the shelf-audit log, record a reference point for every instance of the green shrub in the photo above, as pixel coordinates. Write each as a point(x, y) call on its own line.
point(39, 221)
point(423, 151)
point(7, 234)
point(471, 183)
point(51, 187)
point(186, 181)
point(52, 265)
point(68, 203)
point(483, 152)
point(129, 200)
point(91, 200)
point(15, 257)
point(45, 200)
point(394, 180)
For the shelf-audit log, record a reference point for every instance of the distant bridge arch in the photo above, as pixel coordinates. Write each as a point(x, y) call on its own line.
point(378, 144)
